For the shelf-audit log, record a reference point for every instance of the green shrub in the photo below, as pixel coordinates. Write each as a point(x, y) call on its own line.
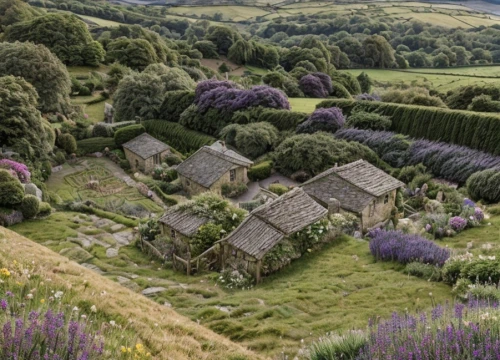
point(92, 145)
point(484, 185)
point(412, 96)
point(233, 189)
point(260, 171)
point(314, 153)
point(206, 236)
point(282, 119)
point(128, 133)
point(484, 103)
point(426, 271)
point(168, 200)
point(125, 164)
point(11, 190)
point(170, 187)
point(278, 189)
point(173, 160)
point(475, 130)
point(67, 142)
point(253, 140)
point(30, 206)
point(482, 271)
point(45, 209)
point(408, 173)
point(368, 121)
point(339, 91)
point(174, 104)
point(177, 136)
point(102, 130)
point(335, 347)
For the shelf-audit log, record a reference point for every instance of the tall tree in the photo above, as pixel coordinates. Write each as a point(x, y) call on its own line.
point(378, 52)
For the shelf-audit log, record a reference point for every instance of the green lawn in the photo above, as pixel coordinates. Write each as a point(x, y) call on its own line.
point(439, 82)
point(304, 104)
point(229, 12)
point(99, 21)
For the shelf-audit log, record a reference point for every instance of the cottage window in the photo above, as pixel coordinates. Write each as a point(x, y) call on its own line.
point(156, 159)
point(386, 199)
point(172, 233)
point(372, 208)
point(232, 175)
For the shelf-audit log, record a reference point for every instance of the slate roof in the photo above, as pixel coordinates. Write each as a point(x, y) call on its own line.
point(355, 185)
point(267, 225)
point(145, 146)
point(210, 163)
point(183, 221)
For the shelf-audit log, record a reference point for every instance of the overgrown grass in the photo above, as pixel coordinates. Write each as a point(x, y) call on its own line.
point(305, 105)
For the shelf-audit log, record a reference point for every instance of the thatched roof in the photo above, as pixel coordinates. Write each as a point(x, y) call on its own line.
point(145, 146)
point(210, 163)
point(183, 221)
point(269, 223)
point(355, 185)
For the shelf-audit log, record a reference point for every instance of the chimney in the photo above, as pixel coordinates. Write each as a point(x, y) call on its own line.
point(333, 206)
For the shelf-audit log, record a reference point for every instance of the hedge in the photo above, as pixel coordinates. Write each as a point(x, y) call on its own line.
point(478, 131)
point(92, 145)
point(283, 119)
point(128, 133)
point(260, 171)
point(167, 199)
point(174, 104)
point(177, 136)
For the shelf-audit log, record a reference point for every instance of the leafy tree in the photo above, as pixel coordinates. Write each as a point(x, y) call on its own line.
point(67, 142)
point(134, 53)
point(240, 52)
point(207, 48)
point(441, 60)
point(378, 51)
point(173, 78)
point(317, 85)
point(116, 72)
point(418, 59)
point(15, 11)
point(38, 66)
point(253, 140)
point(138, 95)
point(65, 35)
point(21, 125)
point(223, 38)
point(294, 55)
point(312, 42)
point(365, 82)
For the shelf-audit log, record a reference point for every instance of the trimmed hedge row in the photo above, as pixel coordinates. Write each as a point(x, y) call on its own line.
point(177, 136)
point(477, 131)
point(283, 119)
point(128, 133)
point(92, 145)
point(260, 171)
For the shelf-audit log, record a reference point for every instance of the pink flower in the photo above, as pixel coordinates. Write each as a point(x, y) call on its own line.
point(20, 170)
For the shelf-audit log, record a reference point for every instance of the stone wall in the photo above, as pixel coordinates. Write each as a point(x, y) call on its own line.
point(381, 212)
point(194, 188)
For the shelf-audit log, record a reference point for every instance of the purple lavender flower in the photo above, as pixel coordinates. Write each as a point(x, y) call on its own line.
point(323, 119)
point(469, 202)
point(3, 304)
point(458, 223)
point(478, 214)
point(428, 227)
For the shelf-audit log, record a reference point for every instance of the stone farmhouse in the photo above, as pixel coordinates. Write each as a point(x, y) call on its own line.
point(145, 152)
point(359, 188)
point(211, 167)
point(266, 226)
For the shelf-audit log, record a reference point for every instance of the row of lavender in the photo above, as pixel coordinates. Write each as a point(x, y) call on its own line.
point(451, 162)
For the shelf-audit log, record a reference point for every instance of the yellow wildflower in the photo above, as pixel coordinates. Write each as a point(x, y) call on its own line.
point(4, 273)
point(139, 347)
point(42, 301)
point(123, 349)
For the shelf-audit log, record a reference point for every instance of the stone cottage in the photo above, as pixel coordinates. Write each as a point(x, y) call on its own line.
point(179, 224)
point(266, 226)
point(359, 188)
point(145, 152)
point(211, 167)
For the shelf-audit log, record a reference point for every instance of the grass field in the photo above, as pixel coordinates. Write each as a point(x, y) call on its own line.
point(304, 104)
point(439, 82)
point(99, 21)
point(230, 13)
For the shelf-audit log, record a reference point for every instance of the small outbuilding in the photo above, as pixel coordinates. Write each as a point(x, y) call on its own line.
point(211, 167)
point(267, 226)
point(359, 188)
point(144, 152)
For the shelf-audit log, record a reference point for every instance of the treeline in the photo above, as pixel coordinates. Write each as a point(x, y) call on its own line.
point(474, 130)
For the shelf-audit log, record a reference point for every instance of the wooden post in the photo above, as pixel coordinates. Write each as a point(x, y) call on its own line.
point(188, 264)
point(257, 276)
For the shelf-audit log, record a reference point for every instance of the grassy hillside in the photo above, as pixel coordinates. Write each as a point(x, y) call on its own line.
point(167, 334)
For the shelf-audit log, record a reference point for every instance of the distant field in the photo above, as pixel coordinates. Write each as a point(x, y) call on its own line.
point(439, 82)
point(490, 71)
point(231, 13)
point(100, 22)
point(303, 104)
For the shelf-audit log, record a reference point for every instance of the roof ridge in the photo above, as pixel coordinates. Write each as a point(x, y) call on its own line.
point(224, 156)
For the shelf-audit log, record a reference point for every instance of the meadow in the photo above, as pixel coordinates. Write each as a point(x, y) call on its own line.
point(448, 15)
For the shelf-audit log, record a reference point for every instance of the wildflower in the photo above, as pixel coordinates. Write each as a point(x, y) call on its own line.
point(29, 296)
point(112, 323)
point(3, 304)
point(42, 301)
point(76, 308)
point(93, 308)
point(58, 294)
point(4, 273)
point(123, 349)
point(83, 316)
point(139, 347)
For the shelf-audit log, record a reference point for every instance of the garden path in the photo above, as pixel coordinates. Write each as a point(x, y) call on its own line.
point(254, 187)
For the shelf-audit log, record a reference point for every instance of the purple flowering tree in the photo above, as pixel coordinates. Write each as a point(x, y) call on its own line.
point(312, 86)
point(207, 85)
point(20, 170)
point(323, 119)
point(406, 248)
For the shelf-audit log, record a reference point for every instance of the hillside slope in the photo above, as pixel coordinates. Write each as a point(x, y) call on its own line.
point(167, 334)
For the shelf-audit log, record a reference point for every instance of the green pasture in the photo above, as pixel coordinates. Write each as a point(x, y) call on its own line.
point(306, 105)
